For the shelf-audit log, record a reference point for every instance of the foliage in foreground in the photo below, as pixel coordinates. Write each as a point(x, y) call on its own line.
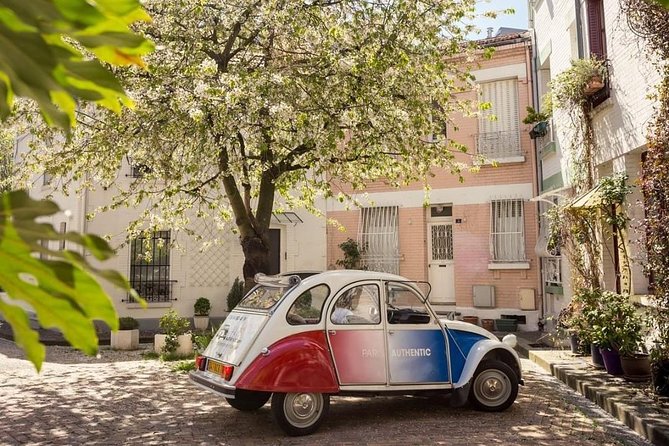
point(61, 286)
point(45, 47)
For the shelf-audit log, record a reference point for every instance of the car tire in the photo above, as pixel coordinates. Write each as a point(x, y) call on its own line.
point(494, 387)
point(248, 400)
point(300, 413)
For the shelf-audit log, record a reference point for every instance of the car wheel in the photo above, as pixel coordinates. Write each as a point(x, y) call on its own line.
point(494, 388)
point(248, 400)
point(300, 413)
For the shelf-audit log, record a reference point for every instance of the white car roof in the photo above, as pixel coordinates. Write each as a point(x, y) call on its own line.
point(336, 279)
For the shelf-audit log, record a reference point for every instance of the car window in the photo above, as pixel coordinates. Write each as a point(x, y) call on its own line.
point(263, 297)
point(308, 306)
point(405, 306)
point(357, 305)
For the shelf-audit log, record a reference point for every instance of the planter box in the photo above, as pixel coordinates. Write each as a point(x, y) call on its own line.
point(506, 324)
point(200, 322)
point(185, 344)
point(125, 339)
point(594, 85)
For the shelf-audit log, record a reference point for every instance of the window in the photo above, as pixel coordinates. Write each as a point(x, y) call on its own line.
point(596, 30)
point(379, 240)
point(357, 305)
point(307, 308)
point(498, 135)
point(150, 267)
point(46, 178)
point(405, 306)
point(507, 231)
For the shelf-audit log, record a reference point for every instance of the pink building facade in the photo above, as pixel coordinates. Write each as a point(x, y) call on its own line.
point(475, 242)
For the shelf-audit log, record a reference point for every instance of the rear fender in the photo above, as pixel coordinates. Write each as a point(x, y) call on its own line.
point(486, 349)
point(297, 363)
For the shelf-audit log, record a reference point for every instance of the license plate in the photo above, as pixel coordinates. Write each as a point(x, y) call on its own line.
point(215, 367)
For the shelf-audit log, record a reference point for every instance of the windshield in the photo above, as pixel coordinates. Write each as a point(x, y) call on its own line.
point(263, 297)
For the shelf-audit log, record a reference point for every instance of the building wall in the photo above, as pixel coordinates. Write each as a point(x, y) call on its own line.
point(619, 123)
point(471, 208)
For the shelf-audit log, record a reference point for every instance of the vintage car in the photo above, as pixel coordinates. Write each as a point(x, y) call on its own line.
point(301, 340)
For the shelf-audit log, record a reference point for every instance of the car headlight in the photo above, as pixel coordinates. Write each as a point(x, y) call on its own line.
point(510, 340)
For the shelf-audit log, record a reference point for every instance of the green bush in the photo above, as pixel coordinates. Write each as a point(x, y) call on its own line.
point(127, 323)
point(173, 326)
point(236, 294)
point(202, 306)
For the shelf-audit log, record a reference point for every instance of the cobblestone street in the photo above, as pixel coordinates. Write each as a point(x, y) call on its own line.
point(134, 401)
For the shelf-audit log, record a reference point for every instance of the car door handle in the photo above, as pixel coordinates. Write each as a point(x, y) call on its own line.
point(391, 332)
point(332, 332)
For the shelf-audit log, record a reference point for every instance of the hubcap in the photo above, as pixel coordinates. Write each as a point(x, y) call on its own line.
point(302, 409)
point(492, 387)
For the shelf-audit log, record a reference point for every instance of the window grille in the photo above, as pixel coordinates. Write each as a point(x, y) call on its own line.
point(552, 270)
point(507, 231)
point(498, 135)
point(379, 239)
point(442, 241)
point(150, 267)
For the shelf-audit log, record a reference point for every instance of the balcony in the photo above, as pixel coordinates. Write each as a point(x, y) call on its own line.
point(501, 146)
point(547, 143)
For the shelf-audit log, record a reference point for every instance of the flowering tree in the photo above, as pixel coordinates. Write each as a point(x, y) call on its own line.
point(247, 101)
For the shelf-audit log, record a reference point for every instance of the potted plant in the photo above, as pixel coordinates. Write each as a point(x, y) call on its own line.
point(175, 339)
point(574, 85)
point(201, 309)
point(127, 335)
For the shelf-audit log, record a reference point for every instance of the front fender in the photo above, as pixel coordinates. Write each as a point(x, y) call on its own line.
point(297, 363)
point(476, 355)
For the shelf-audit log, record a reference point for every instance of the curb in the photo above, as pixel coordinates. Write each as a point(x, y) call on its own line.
point(624, 401)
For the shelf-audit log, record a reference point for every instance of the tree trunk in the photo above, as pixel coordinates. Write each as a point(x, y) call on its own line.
point(256, 258)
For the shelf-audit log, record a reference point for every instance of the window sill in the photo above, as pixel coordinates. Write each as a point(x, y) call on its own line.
point(507, 160)
point(133, 306)
point(509, 265)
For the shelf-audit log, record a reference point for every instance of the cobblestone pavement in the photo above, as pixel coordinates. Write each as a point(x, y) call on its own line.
point(121, 399)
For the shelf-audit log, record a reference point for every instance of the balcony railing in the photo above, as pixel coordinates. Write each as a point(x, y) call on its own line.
point(499, 145)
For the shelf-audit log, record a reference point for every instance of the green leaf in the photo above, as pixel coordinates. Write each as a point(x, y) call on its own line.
point(36, 61)
point(63, 291)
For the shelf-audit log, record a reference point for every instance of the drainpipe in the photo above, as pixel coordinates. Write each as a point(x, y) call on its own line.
point(532, 65)
point(579, 29)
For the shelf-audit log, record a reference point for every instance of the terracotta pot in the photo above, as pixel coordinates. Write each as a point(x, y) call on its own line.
point(611, 361)
point(636, 368)
point(471, 319)
point(594, 85)
point(488, 324)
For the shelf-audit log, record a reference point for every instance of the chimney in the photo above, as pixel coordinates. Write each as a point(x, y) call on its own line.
point(489, 32)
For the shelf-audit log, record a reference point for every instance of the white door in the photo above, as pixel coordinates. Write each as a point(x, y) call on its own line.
point(441, 267)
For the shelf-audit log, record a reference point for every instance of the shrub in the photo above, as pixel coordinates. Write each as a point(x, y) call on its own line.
point(174, 326)
point(236, 294)
point(352, 254)
point(127, 323)
point(202, 306)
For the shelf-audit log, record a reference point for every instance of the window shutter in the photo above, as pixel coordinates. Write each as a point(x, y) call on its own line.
point(596, 36)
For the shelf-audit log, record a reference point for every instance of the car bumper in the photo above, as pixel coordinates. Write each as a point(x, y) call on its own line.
point(202, 381)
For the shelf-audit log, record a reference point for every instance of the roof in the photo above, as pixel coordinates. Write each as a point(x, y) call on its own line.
point(510, 36)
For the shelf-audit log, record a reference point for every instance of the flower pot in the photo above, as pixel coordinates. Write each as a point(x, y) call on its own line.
point(506, 324)
point(596, 356)
point(488, 324)
point(611, 361)
point(636, 368)
point(574, 342)
point(125, 339)
point(185, 344)
point(200, 322)
point(594, 85)
point(471, 319)
point(660, 376)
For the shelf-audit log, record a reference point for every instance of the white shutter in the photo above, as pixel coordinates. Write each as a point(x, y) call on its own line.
point(499, 137)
